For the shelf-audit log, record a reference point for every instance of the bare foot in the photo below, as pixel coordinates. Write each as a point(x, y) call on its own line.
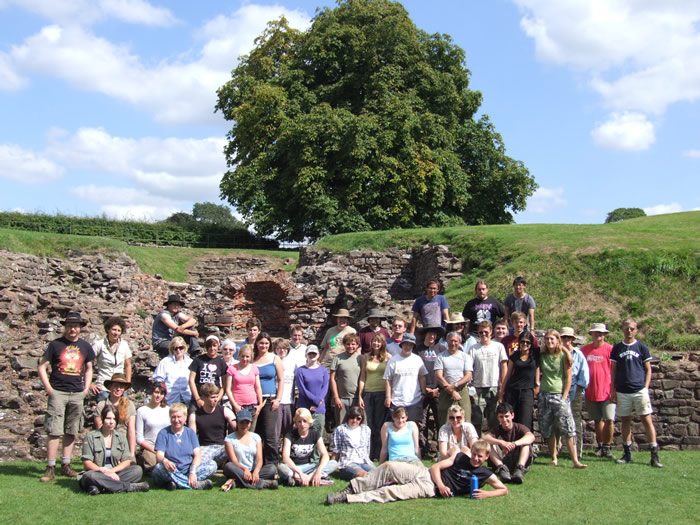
point(554, 462)
point(580, 465)
point(361, 474)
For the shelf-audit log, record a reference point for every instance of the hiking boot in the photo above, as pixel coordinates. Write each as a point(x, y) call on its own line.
point(599, 451)
point(627, 456)
point(517, 475)
point(66, 470)
point(607, 452)
point(291, 482)
point(655, 458)
point(92, 490)
point(336, 497)
point(204, 485)
point(48, 475)
point(503, 473)
point(270, 484)
point(139, 487)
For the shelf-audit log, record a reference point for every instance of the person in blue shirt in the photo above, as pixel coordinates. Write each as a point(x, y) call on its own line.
point(631, 375)
point(431, 308)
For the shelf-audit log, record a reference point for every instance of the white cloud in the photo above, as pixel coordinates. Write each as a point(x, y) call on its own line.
point(692, 153)
point(641, 56)
point(89, 11)
point(26, 166)
point(171, 168)
point(659, 209)
point(174, 90)
point(625, 132)
point(10, 78)
point(545, 199)
point(137, 213)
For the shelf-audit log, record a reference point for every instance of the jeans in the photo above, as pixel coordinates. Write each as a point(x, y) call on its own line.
point(162, 477)
point(376, 414)
point(266, 428)
point(349, 471)
point(307, 468)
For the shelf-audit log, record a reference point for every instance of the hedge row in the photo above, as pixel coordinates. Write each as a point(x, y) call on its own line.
point(161, 234)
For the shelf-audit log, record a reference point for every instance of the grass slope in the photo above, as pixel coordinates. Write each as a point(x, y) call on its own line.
point(603, 493)
point(171, 263)
point(647, 268)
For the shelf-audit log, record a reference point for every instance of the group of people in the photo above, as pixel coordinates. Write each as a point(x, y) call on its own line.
point(259, 410)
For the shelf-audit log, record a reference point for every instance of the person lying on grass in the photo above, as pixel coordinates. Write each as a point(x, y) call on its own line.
point(395, 480)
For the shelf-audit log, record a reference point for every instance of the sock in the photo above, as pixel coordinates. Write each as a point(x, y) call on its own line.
point(628, 443)
point(653, 445)
point(65, 461)
point(51, 463)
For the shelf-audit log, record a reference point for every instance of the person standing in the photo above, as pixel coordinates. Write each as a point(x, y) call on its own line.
point(332, 343)
point(70, 359)
point(453, 372)
point(482, 308)
point(598, 403)
point(374, 318)
point(405, 380)
point(431, 308)
point(112, 356)
point(393, 342)
point(579, 382)
point(345, 377)
point(519, 301)
point(631, 375)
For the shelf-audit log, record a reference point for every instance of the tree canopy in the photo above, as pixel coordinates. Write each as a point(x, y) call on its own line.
point(620, 214)
point(362, 122)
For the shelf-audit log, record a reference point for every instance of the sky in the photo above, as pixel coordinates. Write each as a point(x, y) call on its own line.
point(107, 106)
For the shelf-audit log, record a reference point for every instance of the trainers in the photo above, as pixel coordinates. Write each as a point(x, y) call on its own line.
point(503, 473)
point(270, 484)
point(204, 485)
point(655, 458)
point(171, 485)
point(291, 482)
point(66, 470)
point(227, 485)
point(598, 451)
point(517, 475)
point(139, 487)
point(92, 490)
point(336, 497)
point(326, 481)
point(48, 475)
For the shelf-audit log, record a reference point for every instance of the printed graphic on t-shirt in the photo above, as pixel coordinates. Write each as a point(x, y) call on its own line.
point(70, 362)
point(208, 373)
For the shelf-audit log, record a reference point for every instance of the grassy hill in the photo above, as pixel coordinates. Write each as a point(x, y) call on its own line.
point(647, 268)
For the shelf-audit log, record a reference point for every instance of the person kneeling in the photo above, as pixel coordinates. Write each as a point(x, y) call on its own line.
point(245, 466)
point(107, 460)
point(395, 480)
point(179, 457)
point(510, 446)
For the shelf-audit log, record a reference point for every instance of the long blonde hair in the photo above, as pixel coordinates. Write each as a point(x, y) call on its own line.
point(383, 355)
point(558, 349)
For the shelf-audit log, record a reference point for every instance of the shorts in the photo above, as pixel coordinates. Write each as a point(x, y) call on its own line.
point(64, 413)
point(600, 410)
point(553, 409)
point(637, 403)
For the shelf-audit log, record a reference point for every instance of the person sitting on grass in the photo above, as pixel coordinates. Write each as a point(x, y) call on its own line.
point(301, 446)
point(150, 419)
point(456, 435)
point(245, 466)
point(107, 460)
point(400, 439)
point(510, 442)
point(350, 444)
point(117, 386)
point(211, 422)
point(179, 456)
point(395, 480)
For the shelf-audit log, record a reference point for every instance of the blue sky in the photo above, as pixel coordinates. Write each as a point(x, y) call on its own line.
point(107, 105)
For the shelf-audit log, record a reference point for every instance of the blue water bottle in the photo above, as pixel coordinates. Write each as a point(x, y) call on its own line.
point(473, 486)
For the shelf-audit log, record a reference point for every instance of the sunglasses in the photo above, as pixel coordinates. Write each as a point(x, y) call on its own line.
point(179, 347)
point(455, 418)
point(525, 343)
point(484, 332)
point(355, 417)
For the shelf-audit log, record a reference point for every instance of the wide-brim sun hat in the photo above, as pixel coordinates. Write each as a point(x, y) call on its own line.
point(567, 331)
point(342, 312)
point(74, 317)
point(117, 378)
point(174, 298)
point(598, 327)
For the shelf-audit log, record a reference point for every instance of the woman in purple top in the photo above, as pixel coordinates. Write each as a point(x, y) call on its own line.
point(312, 382)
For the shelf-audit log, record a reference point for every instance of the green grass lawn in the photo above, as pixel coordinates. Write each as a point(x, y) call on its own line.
point(603, 493)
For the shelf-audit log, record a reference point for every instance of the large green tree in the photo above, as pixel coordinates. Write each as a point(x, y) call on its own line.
point(621, 214)
point(362, 122)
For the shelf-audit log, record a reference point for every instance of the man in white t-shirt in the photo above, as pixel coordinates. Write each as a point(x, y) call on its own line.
point(404, 378)
point(490, 366)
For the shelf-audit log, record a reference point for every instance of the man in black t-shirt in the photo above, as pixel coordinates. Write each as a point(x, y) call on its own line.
point(71, 360)
point(396, 480)
point(510, 446)
point(482, 308)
